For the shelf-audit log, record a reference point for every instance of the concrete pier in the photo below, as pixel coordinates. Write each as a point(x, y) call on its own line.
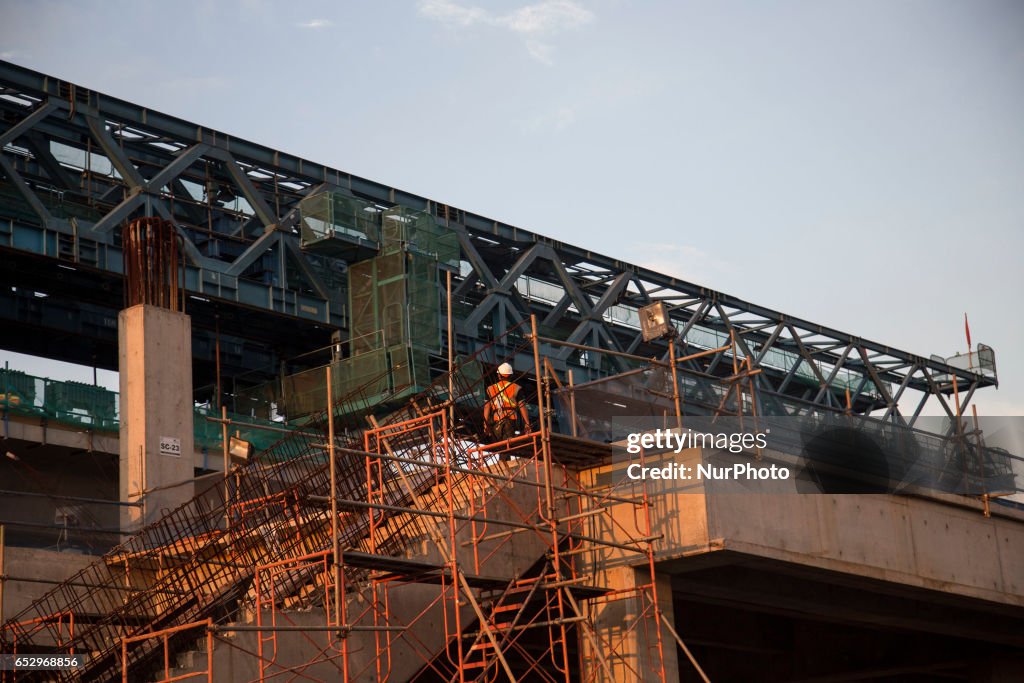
point(156, 412)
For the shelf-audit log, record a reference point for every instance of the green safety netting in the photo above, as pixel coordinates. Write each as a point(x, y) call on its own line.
point(303, 393)
point(417, 232)
point(371, 377)
point(74, 403)
point(336, 224)
point(97, 408)
point(393, 299)
point(394, 303)
point(209, 434)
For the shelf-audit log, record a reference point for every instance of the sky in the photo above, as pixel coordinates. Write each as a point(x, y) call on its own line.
point(859, 164)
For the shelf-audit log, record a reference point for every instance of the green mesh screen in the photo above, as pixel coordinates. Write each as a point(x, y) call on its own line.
point(97, 408)
point(363, 323)
point(73, 403)
point(419, 233)
point(209, 435)
point(410, 369)
point(331, 223)
point(424, 303)
point(365, 372)
point(390, 266)
point(304, 392)
point(392, 310)
point(391, 302)
point(394, 299)
point(401, 367)
point(257, 400)
point(394, 296)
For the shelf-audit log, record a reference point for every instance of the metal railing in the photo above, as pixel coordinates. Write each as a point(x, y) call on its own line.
point(98, 409)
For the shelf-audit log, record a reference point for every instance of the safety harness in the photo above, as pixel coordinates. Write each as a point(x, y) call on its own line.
point(504, 398)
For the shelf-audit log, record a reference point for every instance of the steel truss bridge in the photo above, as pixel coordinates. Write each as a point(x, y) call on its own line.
point(77, 164)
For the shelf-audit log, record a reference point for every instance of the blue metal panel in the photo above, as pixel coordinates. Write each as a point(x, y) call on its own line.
point(29, 239)
point(253, 294)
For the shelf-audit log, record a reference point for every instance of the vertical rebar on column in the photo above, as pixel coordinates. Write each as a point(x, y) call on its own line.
point(152, 264)
point(335, 548)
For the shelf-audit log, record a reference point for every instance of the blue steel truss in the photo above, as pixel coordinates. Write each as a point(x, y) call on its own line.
point(77, 164)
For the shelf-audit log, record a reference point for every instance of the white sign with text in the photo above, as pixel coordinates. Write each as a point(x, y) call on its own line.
point(170, 446)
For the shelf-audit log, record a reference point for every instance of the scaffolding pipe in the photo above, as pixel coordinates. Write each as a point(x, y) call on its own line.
point(545, 437)
point(280, 430)
point(484, 520)
point(76, 499)
point(486, 475)
point(682, 646)
point(429, 513)
point(572, 405)
point(598, 650)
point(451, 558)
point(335, 564)
point(216, 353)
point(348, 628)
point(451, 351)
point(82, 584)
point(81, 529)
point(675, 380)
point(3, 570)
point(227, 463)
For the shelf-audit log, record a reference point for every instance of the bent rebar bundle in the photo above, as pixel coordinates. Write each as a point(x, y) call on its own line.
point(153, 264)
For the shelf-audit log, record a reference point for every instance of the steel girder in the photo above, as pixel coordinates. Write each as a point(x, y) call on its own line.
point(235, 203)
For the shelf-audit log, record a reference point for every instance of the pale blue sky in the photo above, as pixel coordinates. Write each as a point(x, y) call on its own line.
point(859, 164)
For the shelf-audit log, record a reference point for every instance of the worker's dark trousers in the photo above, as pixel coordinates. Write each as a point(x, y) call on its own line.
point(506, 429)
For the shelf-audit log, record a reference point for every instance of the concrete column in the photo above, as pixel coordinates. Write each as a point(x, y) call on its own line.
point(155, 362)
point(627, 631)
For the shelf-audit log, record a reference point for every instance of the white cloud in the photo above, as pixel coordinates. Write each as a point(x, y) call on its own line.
point(542, 52)
point(682, 261)
point(558, 119)
point(316, 24)
point(9, 54)
point(550, 16)
point(451, 13)
point(531, 22)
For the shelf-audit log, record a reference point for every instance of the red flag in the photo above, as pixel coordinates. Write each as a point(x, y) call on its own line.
point(967, 331)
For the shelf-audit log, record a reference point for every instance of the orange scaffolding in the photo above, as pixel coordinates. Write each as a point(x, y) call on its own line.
point(394, 547)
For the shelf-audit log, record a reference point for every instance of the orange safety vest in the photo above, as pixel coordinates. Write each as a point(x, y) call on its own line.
point(504, 399)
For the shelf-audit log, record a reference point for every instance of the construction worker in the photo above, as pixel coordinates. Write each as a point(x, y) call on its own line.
point(504, 413)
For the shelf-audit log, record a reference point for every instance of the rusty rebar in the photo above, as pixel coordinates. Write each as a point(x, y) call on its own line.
point(153, 267)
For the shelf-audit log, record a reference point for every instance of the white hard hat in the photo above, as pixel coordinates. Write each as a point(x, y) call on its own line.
point(504, 369)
